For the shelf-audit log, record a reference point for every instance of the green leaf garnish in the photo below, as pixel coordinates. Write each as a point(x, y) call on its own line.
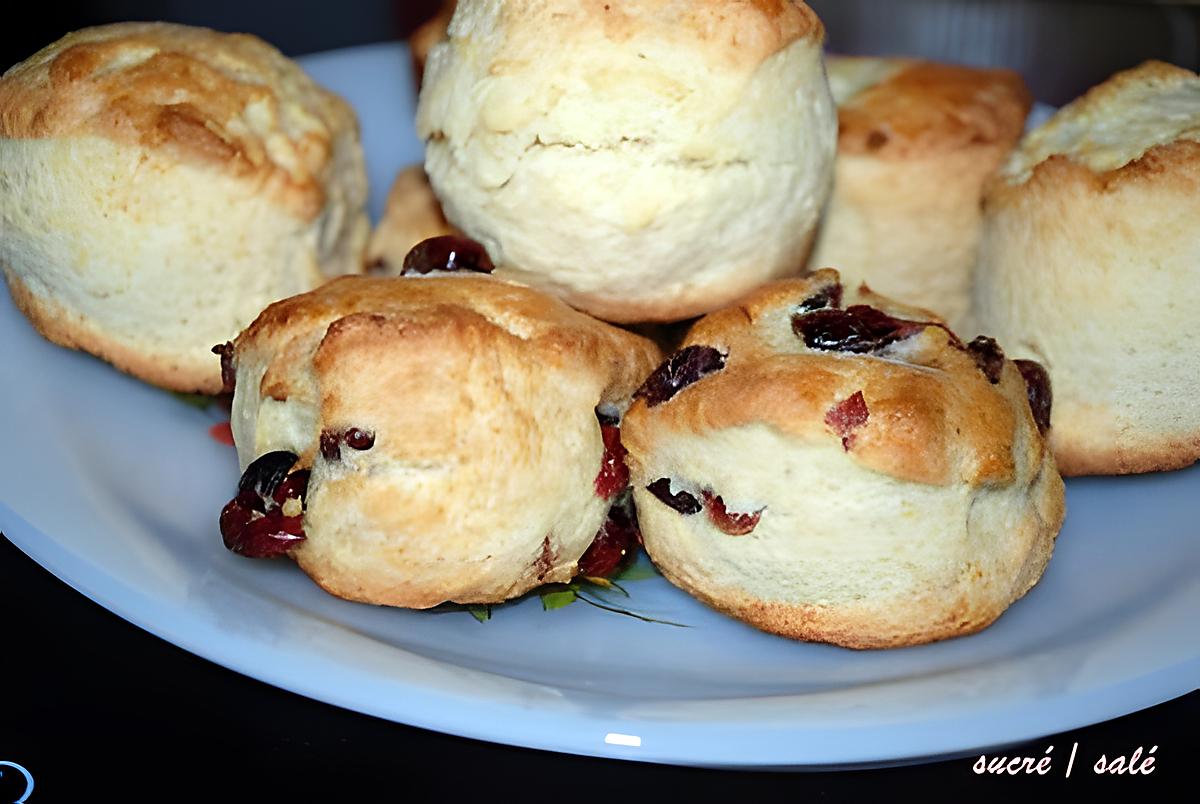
point(199, 401)
point(556, 598)
point(590, 590)
point(627, 613)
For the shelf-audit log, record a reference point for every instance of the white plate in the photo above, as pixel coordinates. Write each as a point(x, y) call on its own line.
point(115, 488)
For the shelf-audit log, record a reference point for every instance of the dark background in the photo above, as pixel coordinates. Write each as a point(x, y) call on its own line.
point(97, 709)
point(1060, 47)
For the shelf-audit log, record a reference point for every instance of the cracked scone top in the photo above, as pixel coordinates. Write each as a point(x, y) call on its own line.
point(164, 184)
point(847, 473)
point(450, 423)
point(647, 160)
point(1090, 263)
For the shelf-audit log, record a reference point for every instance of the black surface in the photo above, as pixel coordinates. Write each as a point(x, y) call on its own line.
point(97, 709)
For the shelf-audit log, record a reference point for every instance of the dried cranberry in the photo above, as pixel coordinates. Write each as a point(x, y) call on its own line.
point(681, 501)
point(847, 416)
point(255, 535)
point(727, 522)
point(359, 439)
point(228, 370)
point(295, 487)
point(615, 543)
point(988, 356)
point(257, 523)
point(614, 474)
point(858, 328)
point(266, 472)
point(828, 296)
point(1037, 387)
point(678, 372)
point(331, 445)
point(447, 253)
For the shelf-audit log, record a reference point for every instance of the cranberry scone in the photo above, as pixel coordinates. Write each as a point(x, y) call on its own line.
point(846, 473)
point(439, 436)
point(161, 184)
point(1090, 263)
point(916, 142)
point(648, 160)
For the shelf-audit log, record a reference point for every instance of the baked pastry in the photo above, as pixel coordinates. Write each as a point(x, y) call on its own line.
point(854, 475)
point(427, 35)
point(1090, 263)
point(647, 160)
point(454, 436)
point(917, 140)
point(163, 184)
point(412, 214)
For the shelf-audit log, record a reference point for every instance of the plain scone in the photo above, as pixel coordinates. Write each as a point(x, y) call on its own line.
point(891, 496)
point(161, 184)
point(916, 142)
point(1090, 264)
point(480, 398)
point(647, 160)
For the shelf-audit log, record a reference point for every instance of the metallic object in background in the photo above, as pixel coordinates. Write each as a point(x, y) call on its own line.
point(1061, 48)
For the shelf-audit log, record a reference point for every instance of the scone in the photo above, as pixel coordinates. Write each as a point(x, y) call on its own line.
point(430, 438)
point(161, 184)
point(647, 160)
point(917, 140)
point(1090, 263)
point(412, 214)
point(847, 474)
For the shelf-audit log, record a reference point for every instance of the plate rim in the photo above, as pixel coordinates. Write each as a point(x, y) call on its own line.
point(1019, 724)
point(580, 732)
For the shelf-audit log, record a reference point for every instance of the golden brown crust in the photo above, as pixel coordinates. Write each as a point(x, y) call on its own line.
point(60, 326)
point(1176, 164)
point(934, 417)
point(1163, 454)
point(927, 108)
point(228, 101)
point(539, 319)
point(740, 32)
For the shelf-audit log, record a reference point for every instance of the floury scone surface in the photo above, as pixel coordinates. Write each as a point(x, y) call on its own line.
point(645, 161)
point(161, 184)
